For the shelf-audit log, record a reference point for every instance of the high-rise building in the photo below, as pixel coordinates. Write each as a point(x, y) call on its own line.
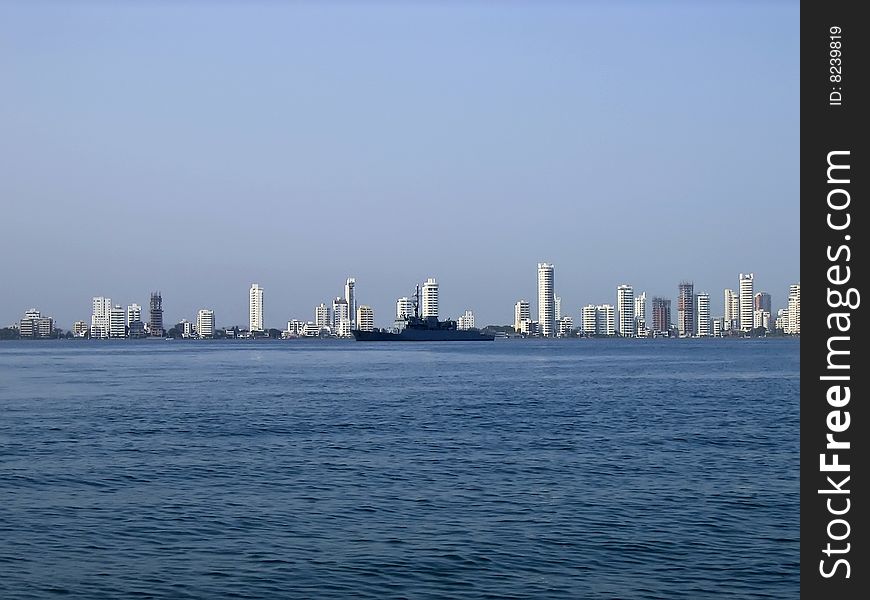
point(155, 311)
point(340, 317)
point(661, 315)
point(640, 314)
point(430, 298)
point(134, 313)
point(557, 308)
point(35, 325)
point(102, 308)
point(587, 319)
point(686, 309)
point(466, 321)
point(625, 310)
point(117, 322)
point(187, 329)
point(322, 316)
point(605, 321)
point(351, 299)
point(255, 308)
point(205, 323)
point(702, 315)
point(599, 320)
point(762, 302)
point(522, 312)
point(782, 320)
point(365, 318)
point(747, 300)
point(732, 310)
point(404, 308)
point(80, 329)
point(546, 300)
point(566, 326)
point(794, 310)
point(716, 330)
point(761, 318)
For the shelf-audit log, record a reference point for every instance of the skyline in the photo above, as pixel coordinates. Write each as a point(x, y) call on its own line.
point(257, 306)
point(304, 144)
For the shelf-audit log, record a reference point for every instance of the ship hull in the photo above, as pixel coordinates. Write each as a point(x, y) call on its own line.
point(422, 335)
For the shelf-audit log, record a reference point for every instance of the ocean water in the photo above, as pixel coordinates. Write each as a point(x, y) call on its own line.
point(307, 469)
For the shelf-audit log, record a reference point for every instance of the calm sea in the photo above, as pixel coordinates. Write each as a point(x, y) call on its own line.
point(510, 469)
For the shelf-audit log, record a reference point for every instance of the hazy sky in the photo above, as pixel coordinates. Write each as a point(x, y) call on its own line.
point(198, 147)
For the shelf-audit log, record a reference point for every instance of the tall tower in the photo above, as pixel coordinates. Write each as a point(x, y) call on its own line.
point(521, 313)
point(686, 309)
point(762, 302)
point(625, 308)
point(365, 318)
point(404, 308)
point(430, 298)
point(640, 314)
point(732, 309)
point(340, 317)
point(205, 323)
point(155, 315)
point(102, 308)
point(321, 316)
point(117, 322)
point(255, 308)
point(546, 300)
point(661, 315)
point(794, 309)
point(351, 300)
point(702, 315)
point(747, 301)
point(134, 313)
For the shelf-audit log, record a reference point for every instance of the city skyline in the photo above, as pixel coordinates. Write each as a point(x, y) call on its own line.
point(627, 316)
point(452, 143)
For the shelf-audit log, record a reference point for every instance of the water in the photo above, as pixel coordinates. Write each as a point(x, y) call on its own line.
point(510, 469)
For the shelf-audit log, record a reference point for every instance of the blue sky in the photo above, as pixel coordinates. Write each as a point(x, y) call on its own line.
point(198, 147)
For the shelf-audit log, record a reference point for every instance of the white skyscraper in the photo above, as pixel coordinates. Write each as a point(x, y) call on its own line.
point(604, 320)
point(466, 321)
point(732, 309)
point(321, 316)
point(566, 325)
point(546, 300)
point(599, 320)
point(256, 308)
point(625, 309)
point(522, 312)
point(205, 323)
point(134, 313)
point(117, 322)
point(588, 319)
point(557, 308)
point(404, 308)
point(793, 321)
point(640, 314)
point(747, 301)
point(102, 308)
point(702, 315)
point(430, 298)
point(340, 317)
point(761, 318)
point(365, 318)
point(351, 300)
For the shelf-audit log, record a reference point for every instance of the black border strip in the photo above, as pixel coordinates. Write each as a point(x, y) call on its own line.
point(834, 69)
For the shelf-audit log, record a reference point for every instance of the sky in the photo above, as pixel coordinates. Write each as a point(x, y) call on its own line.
point(196, 148)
